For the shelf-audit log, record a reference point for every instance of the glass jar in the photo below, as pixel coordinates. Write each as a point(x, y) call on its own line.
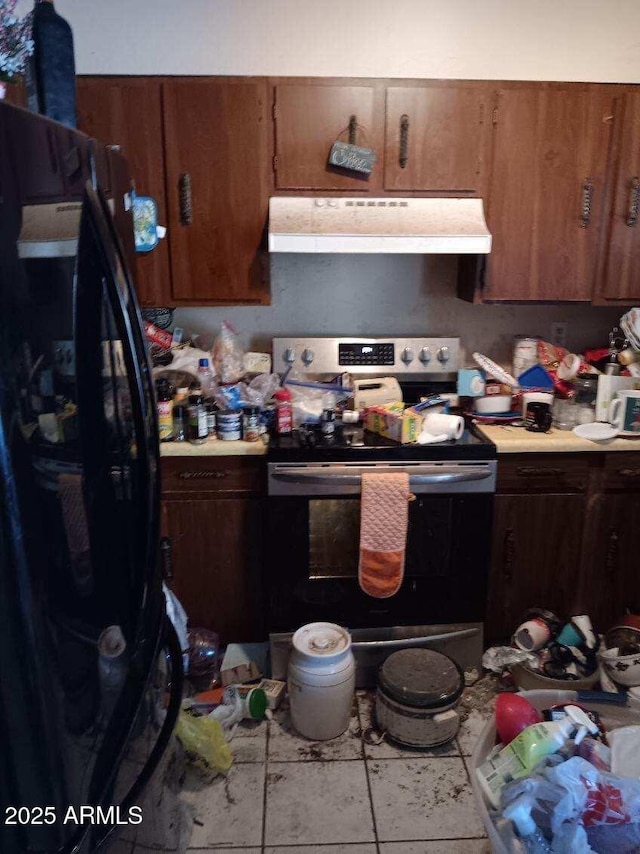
point(584, 398)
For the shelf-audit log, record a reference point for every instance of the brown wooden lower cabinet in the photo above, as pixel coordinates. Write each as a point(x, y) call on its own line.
point(212, 514)
point(569, 542)
point(535, 559)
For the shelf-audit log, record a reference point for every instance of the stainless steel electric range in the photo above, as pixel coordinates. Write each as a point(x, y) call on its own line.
point(314, 513)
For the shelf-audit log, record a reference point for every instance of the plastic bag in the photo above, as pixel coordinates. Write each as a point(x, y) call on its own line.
point(262, 388)
point(498, 658)
point(204, 742)
point(228, 355)
point(309, 399)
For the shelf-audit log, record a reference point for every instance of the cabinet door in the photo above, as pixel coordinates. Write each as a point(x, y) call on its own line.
point(127, 112)
point(437, 138)
point(535, 558)
point(216, 137)
point(622, 266)
point(546, 200)
point(610, 581)
point(309, 119)
point(215, 551)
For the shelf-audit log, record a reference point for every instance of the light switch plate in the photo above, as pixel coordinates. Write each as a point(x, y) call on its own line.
point(559, 334)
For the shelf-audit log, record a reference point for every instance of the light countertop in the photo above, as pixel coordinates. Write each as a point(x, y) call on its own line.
point(517, 440)
point(214, 448)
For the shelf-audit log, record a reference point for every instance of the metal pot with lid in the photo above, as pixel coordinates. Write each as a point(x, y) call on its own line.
point(418, 690)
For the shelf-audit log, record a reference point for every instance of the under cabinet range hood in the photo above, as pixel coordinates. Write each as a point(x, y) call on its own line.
point(383, 225)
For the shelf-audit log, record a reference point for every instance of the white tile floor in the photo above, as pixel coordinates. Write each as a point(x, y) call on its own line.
point(287, 795)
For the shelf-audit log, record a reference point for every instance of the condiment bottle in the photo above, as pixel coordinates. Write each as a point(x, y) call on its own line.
point(211, 408)
point(164, 397)
point(251, 423)
point(197, 429)
point(180, 416)
point(284, 412)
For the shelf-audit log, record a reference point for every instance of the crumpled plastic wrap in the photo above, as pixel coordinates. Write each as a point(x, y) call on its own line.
point(205, 743)
point(228, 355)
point(499, 658)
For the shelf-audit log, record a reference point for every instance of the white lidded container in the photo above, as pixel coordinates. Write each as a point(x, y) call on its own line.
point(321, 680)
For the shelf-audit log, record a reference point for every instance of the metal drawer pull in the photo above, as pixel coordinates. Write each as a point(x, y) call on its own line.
point(403, 155)
point(406, 643)
point(629, 472)
point(349, 478)
point(531, 471)
point(186, 203)
point(634, 203)
point(587, 203)
point(201, 475)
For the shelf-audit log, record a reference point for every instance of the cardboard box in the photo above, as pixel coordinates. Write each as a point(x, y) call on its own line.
point(403, 427)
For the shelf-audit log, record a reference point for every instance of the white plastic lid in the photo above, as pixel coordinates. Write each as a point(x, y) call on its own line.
point(519, 812)
point(322, 640)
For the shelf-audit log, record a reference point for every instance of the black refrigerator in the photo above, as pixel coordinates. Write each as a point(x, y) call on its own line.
point(90, 668)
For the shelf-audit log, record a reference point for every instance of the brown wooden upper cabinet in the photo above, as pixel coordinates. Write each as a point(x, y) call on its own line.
point(217, 173)
point(621, 268)
point(127, 111)
point(546, 203)
point(437, 138)
point(309, 118)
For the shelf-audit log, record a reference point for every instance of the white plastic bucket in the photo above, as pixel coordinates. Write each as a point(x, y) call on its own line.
point(321, 680)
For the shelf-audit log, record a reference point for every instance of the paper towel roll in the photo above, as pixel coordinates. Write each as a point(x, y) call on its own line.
point(450, 425)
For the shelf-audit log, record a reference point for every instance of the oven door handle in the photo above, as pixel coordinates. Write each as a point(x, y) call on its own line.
point(322, 477)
point(407, 643)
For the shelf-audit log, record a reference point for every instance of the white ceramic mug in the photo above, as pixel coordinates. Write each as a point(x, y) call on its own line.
point(624, 412)
point(451, 426)
point(531, 396)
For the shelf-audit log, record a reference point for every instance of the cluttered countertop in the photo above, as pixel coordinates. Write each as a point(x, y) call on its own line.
point(517, 440)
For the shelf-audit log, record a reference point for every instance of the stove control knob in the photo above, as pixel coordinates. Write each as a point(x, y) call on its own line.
point(443, 355)
point(425, 355)
point(308, 356)
point(407, 355)
point(289, 355)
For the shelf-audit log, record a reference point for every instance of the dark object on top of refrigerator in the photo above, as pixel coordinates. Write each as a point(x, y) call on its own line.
point(87, 655)
point(51, 72)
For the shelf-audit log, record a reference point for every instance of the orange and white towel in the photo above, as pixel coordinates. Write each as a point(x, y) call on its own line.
point(384, 516)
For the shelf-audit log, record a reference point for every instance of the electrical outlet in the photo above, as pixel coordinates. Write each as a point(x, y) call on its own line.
point(559, 334)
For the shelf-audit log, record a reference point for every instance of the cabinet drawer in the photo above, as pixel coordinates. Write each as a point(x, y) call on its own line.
point(622, 472)
point(551, 473)
point(220, 475)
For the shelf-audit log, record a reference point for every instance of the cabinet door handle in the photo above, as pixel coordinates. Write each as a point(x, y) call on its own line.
point(186, 205)
point(587, 203)
point(166, 558)
point(509, 554)
point(201, 475)
point(531, 471)
point(629, 472)
point(353, 126)
point(634, 203)
point(611, 558)
point(403, 155)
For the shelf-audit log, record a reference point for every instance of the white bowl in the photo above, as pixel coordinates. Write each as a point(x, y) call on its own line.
point(623, 669)
point(596, 431)
point(493, 404)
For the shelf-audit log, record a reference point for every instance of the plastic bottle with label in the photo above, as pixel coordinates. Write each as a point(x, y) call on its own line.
point(197, 428)
point(284, 412)
point(164, 398)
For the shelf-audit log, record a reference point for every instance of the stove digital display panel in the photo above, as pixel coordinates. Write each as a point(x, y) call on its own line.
point(366, 354)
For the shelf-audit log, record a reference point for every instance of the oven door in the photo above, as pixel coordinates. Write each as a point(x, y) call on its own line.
point(314, 535)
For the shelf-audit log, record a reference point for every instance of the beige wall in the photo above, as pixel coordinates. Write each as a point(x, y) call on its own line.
point(594, 40)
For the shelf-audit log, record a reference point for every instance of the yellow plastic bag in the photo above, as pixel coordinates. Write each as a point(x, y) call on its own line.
point(204, 741)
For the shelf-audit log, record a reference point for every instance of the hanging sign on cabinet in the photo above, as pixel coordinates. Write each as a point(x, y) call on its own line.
point(348, 155)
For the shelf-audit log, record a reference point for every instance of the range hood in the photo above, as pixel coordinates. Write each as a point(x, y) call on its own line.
point(388, 225)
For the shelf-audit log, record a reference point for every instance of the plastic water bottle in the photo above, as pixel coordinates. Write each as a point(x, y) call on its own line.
point(533, 839)
point(205, 377)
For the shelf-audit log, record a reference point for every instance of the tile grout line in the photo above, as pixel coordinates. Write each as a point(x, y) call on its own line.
point(264, 796)
point(366, 771)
